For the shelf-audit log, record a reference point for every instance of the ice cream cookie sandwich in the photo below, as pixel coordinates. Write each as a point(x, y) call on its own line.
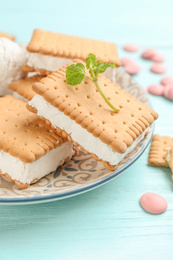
point(29, 148)
point(49, 51)
point(81, 114)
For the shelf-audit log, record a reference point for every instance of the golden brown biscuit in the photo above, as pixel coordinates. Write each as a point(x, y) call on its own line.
point(21, 130)
point(67, 46)
point(24, 86)
point(159, 149)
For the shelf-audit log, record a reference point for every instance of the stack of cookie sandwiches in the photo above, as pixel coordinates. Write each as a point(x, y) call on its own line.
point(30, 148)
point(38, 136)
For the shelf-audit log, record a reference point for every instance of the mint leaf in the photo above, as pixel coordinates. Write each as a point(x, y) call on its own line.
point(91, 61)
point(75, 74)
point(100, 67)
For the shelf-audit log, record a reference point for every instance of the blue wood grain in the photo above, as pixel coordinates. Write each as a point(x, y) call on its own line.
point(106, 223)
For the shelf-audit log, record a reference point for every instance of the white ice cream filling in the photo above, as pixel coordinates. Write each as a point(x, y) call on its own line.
point(46, 62)
point(26, 172)
point(80, 135)
point(18, 96)
point(52, 63)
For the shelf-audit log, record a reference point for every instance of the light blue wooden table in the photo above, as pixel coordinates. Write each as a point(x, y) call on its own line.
point(106, 223)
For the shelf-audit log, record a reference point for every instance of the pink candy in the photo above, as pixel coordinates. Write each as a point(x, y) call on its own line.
point(126, 60)
point(151, 54)
point(168, 91)
point(167, 80)
point(130, 66)
point(132, 69)
point(157, 57)
point(153, 203)
point(156, 89)
point(131, 47)
point(158, 68)
point(161, 90)
point(148, 54)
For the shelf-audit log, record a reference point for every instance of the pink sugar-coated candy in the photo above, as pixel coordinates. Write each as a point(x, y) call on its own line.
point(157, 57)
point(132, 69)
point(147, 54)
point(131, 47)
point(126, 60)
point(153, 203)
point(167, 80)
point(158, 68)
point(156, 90)
point(168, 91)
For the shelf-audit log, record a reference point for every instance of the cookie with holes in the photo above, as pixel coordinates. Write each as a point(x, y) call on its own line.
point(29, 148)
point(22, 88)
point(49, 51)
point(158, 155)
point(82, 115)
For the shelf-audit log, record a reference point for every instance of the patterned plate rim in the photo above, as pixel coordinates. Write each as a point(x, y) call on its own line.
point(77, 191)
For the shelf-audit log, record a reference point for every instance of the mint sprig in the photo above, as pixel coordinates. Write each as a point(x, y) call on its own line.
point(76, 72)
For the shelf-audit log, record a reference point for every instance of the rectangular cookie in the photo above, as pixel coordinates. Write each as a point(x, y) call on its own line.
point(8, 36)
point(159, 149)
point(80, 113)
point(49, 51)
point(29, 148)
point(22, 88)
